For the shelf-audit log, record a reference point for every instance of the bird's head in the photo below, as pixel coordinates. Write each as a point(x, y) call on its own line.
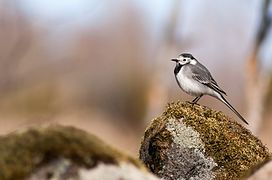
point(185, 58)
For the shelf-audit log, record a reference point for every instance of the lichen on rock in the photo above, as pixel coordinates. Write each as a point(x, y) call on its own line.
point(192, 141)
point(124, 171)
point(187, 152)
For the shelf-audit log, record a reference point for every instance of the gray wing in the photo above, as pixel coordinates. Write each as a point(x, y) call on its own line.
point(201, 74)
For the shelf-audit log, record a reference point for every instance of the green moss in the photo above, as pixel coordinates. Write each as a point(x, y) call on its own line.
point(21, 153)
point(231, 145)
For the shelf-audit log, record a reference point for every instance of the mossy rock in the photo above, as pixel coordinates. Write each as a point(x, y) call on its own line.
point(24, 153)
point(192, 141)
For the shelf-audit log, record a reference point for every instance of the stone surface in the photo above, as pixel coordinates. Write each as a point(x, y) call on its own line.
point(124, 171)
point(194, 142)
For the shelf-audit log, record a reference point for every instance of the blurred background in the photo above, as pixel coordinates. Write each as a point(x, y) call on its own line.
point(104, 66)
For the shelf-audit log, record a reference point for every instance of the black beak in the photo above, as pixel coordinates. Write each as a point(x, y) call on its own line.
point(175, 60)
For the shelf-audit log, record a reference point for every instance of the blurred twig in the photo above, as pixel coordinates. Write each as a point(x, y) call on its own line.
point(264, 25)
point(257, 80)
point(18, 40)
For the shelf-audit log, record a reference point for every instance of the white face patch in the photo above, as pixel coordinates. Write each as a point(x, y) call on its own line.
point(183, 60)
point(193, 62)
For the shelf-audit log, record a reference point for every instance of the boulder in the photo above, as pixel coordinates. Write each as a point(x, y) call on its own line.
point(59, 152)
point(195, 142)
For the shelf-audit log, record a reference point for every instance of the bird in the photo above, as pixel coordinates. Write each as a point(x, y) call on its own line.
point(196, 80)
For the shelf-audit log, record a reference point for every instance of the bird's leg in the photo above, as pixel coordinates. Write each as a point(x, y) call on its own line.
point(195, 100)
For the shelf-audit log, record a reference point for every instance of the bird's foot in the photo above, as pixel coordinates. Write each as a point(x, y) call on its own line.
point(192, 102)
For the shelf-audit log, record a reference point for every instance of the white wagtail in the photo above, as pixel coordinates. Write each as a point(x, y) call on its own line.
point(196, 80)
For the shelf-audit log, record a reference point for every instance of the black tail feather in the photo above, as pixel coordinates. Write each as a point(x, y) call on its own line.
point(232, 108)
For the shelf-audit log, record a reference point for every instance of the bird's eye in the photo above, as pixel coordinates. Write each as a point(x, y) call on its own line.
point(184, 60)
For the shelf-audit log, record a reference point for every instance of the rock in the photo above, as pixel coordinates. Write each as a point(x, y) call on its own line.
point(58, 152)
point(124, 171)
point(194, 142)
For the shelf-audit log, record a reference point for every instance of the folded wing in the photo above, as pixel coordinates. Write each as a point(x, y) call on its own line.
point(202, 75)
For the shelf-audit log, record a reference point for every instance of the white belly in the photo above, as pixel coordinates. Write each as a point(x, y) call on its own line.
point(192, 86)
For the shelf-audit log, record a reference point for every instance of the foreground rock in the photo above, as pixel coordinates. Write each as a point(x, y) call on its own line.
point(194, 142)
point(64, 153)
